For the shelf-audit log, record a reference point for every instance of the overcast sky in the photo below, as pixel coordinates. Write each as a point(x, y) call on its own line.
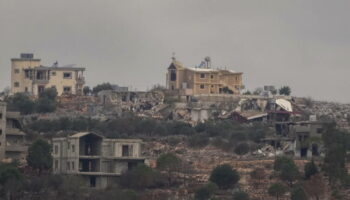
point(301, 43)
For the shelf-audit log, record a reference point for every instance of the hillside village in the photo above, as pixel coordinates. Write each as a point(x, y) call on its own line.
point(203, 116)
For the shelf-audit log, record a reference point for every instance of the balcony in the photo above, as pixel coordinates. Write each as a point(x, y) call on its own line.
point(81, 80)
point(41, 81)
point(13, 115)
point(14, 131)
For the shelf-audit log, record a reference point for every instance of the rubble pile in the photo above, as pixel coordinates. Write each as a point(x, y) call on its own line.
point(336, 111)
point(75, 103)
point(202, 161)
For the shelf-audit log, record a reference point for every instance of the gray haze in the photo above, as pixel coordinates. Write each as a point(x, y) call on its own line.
point(301, 43)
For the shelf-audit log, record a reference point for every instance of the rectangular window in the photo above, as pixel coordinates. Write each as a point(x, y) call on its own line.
point(56, 164)
point(27, 73)
point(53, 73)
point(67, 75)
point(16, 71)
point(67, 89)
point(202, 75)
point(211, 76)
point(202, 86)
point(72, 165)
point(16, 84)
point(125, 150)
point(56, 149)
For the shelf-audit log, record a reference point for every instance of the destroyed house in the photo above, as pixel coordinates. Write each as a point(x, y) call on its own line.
point(98, 160)
point(12, 139)
point(306, 136)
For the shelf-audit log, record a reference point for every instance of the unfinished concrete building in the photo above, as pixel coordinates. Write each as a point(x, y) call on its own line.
point(12, 139)
point(98, 160)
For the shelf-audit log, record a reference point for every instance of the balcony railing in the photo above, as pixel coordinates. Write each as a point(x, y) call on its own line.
point(41, 81)
point(81, 80)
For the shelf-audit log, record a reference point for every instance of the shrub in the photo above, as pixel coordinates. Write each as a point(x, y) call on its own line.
point(242, 149)
point(310, 169)
point(298, 193)
point(240, 195)
point(224, 176)
point(206, 192)
point(169, 163)
point(198, 140)
point(140, 177)
point(277, 190)
point(39, 155)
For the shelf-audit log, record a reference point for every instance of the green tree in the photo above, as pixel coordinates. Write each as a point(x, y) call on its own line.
point(86, 90)
point(335, 148)
point(140, 177)
point(298, 193)
point(310, 169)
point(290, 173)
point(100, 87)
point(8, 172)
point(22, 103)
point(240, 195)
point(47, 101)
point(224, 176)
point(280, 161)
point(277, 190)
point(39, 155)
point(285, 90)
point(242, 149)
point(205, 192)
point(169, 163)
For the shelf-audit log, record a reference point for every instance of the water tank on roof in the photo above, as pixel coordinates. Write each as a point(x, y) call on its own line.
point(27, 55)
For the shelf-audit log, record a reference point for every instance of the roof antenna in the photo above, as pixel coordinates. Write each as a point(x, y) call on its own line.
point(55, 64)
point(208, 61)
point(173, 57)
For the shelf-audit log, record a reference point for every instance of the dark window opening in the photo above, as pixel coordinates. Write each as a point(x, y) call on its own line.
point(67, 89)
point(315, 151)
point(202, 75)
point(16, 71)
point(16, 84)
point(202, 86)
point(92, 181)
point(173, 76)
point(303, 152)
point(56, 149)
point(125, 150)
point(40, 76)
point(67, 75)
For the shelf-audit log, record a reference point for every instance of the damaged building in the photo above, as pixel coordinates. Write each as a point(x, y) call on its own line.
point(98, 160)
point(12, 139)
point(203, 79)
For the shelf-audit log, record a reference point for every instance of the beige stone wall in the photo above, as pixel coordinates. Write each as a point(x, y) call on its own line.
point(59, 82)
point(20, 65)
